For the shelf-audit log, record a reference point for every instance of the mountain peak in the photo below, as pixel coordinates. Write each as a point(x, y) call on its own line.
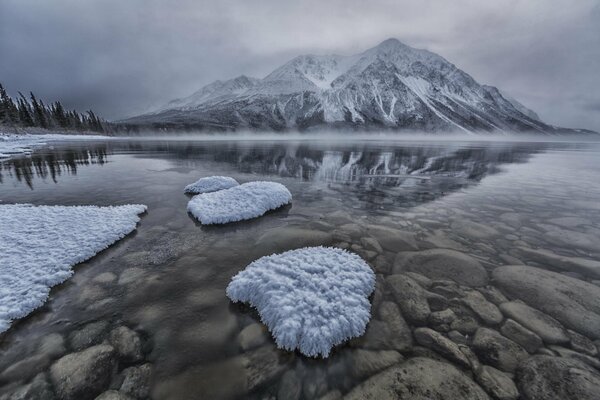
point(391, 85)
point(391, 43)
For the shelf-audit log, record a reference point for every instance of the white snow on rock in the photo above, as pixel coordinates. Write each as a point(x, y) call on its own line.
point(311, 299)
point(40, 244)
point(18, 144)
point(246, 201)
point(211, 184)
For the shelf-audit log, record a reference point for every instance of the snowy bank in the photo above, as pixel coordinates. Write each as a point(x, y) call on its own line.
point(40, 244)
point(311, 299)
point(211, 184)
point(246, 201)
point(13, 145)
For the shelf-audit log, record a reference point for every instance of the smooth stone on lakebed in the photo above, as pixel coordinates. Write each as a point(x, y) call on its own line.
point(389, 331)
point(37, 389)
point(289, 238)
point(411, 298)
point(127, 343)
point(521, 335)
point(83, 375)
point(497, 350)
point(113, 395)
point(573, 302)
point(497, 383)
point(556, 378)
point(486, 311)
point(419, 379)
point(242, 373)
point(136, 381)
point(443, 264)
point(88, 335)
point(440, 344)
point(582, 344)
point(393, 239)
point(546, 327)
point(365, 363)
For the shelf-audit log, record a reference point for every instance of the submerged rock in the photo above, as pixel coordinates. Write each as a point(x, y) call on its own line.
point(365, 363)
point(443, 264)
point(252, 336)
point(127, 343)
point(83, 375)
point(554, 378)
point(136, 381)
point(411, 298)
point(497, 383)
point(521, 335)
point(390, 331)
point(497, 350)
point(573, 302)
point(442, 345)
point(88, 335)
point(546, 327)
point(242, 373)
point(37, 389)
point(486, 311)
point(113, 395)
point(290, 386)
point(419, 379)
point(393, 239)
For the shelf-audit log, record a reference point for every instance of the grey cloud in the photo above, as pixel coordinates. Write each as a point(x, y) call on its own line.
point(125, 57)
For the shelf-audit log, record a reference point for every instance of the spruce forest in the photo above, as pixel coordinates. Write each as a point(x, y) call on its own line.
point(23, 112)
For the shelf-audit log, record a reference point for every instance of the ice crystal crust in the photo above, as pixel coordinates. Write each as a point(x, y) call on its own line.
point(311, 299)
point(246, 201)
point(40, 244)
point(211, 184)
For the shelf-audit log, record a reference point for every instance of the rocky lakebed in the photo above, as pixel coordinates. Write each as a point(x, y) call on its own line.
point(487, 266)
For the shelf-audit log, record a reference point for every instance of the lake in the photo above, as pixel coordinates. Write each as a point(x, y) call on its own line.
point(403, 206)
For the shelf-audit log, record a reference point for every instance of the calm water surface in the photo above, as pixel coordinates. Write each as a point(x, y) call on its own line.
point(488, 200)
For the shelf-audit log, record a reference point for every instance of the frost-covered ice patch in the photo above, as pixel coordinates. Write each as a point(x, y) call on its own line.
point(311, 299)
point(12, 145)
point(211, 184)
point(40, 244)
point(246, 201)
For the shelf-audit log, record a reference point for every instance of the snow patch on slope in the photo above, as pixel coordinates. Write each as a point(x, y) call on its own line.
point(40, 244)
point(311, 299)
point(421, 88)
point(211, 184)
point(246, 201)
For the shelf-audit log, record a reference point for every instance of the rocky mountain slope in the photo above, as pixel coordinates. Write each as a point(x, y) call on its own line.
point(390, 86)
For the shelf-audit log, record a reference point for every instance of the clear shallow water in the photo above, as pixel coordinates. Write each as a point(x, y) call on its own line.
point(487, 200)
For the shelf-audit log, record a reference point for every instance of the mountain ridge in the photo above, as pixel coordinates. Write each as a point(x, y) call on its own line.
point(390, 86)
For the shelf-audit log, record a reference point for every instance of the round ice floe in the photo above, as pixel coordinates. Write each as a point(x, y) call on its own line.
point(246, 201)
point(311, 299)
point(211, 184)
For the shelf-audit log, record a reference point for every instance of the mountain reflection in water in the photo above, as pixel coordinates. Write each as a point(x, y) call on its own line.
point(403, 175)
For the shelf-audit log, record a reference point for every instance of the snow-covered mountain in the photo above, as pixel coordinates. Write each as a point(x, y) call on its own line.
point(390, 86)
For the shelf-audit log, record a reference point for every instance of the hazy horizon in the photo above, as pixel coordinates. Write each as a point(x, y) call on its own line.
point(122, 59)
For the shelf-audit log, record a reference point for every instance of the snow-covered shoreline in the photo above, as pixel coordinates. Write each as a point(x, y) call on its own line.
point(39, 245)
point(12, 145)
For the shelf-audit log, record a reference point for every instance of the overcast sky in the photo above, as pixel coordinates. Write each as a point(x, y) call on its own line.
point(124, 57)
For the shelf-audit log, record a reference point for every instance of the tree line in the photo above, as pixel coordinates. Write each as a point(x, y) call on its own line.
point(26, 112)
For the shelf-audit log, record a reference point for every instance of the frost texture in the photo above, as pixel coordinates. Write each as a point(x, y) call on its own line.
point(246, 201)
point(311, 299)
point(40, 244)
point(211, 184)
